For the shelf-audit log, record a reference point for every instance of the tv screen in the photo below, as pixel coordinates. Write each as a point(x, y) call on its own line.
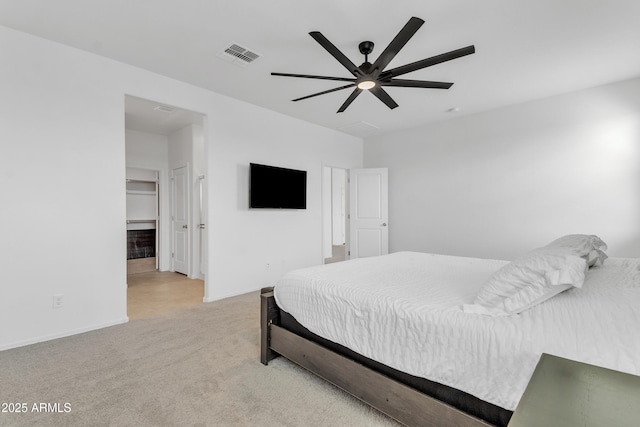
point(277, 188)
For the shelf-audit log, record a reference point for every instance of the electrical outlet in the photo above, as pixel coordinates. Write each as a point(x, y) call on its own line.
point(58, 301)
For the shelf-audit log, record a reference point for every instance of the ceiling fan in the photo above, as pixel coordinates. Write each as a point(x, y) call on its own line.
point(373, 77)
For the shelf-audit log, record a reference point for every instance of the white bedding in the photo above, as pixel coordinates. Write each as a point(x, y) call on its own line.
point(404, 310)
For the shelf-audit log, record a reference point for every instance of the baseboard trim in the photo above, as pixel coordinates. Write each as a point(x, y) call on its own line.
point(229, 295)
point(62, 334)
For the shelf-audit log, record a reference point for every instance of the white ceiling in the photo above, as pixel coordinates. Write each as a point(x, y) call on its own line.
point(149, 116)
point(525, 49)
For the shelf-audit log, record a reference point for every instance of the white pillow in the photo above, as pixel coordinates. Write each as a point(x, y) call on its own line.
point(529, 280)
point(589, 246)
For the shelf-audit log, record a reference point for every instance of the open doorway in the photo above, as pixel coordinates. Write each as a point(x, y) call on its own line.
point(164, 147)
point(335, 214)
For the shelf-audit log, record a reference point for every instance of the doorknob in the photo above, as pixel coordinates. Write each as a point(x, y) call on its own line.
point(384, 224)
point(185, 226)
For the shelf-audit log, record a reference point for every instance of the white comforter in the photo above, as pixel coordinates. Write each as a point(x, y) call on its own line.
point(404, 310)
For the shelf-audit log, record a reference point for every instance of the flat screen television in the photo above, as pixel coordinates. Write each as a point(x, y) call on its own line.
point(272, 187)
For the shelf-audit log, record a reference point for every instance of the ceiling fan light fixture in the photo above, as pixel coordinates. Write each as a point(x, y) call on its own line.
point(366, 84)
point(374, 76)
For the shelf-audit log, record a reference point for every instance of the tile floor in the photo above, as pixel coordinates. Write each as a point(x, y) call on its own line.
point(158, 292)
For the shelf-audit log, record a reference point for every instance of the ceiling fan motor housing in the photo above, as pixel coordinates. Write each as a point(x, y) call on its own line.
point(366, 47)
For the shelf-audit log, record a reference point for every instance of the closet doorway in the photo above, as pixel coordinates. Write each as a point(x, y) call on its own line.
point(143, 220)
point(160, 139)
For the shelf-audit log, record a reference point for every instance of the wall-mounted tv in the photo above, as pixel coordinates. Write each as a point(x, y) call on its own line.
point(272, 187)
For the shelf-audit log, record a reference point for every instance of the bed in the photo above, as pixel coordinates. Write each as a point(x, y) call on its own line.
point(418, 337)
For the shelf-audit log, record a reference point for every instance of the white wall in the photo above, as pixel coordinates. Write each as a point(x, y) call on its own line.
point(146, 150)
point(500, 183)
point(62, 177)
point(243, 241)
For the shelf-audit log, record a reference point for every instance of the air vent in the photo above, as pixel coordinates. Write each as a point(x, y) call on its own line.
point(238, 55)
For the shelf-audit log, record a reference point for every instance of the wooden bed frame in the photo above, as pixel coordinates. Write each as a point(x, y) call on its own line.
point(399, 401)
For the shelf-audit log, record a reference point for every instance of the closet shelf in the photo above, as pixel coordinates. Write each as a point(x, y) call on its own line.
point(142, 180)
point(142, 192)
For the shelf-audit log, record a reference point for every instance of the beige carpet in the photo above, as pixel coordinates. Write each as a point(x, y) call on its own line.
point(196, 367)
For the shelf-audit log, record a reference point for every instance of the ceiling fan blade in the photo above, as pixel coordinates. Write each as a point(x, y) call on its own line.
point(396, 44)
point(416, 83)
point(350, 99)
point(346, 62)
point(383, 96)
point(418, 65)
point(307, 76)
point(323, 92)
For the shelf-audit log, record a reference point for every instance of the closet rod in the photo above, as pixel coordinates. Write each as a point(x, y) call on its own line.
point(140, 180)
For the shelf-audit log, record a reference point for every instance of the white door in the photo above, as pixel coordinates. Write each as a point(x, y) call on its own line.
point(368, 211)
point(180, 219)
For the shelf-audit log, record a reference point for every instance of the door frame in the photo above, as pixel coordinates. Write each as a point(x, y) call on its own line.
point(327, 214)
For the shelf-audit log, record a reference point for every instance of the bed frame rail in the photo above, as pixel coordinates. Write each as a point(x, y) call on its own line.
point(391, 397)
point(269, 314)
